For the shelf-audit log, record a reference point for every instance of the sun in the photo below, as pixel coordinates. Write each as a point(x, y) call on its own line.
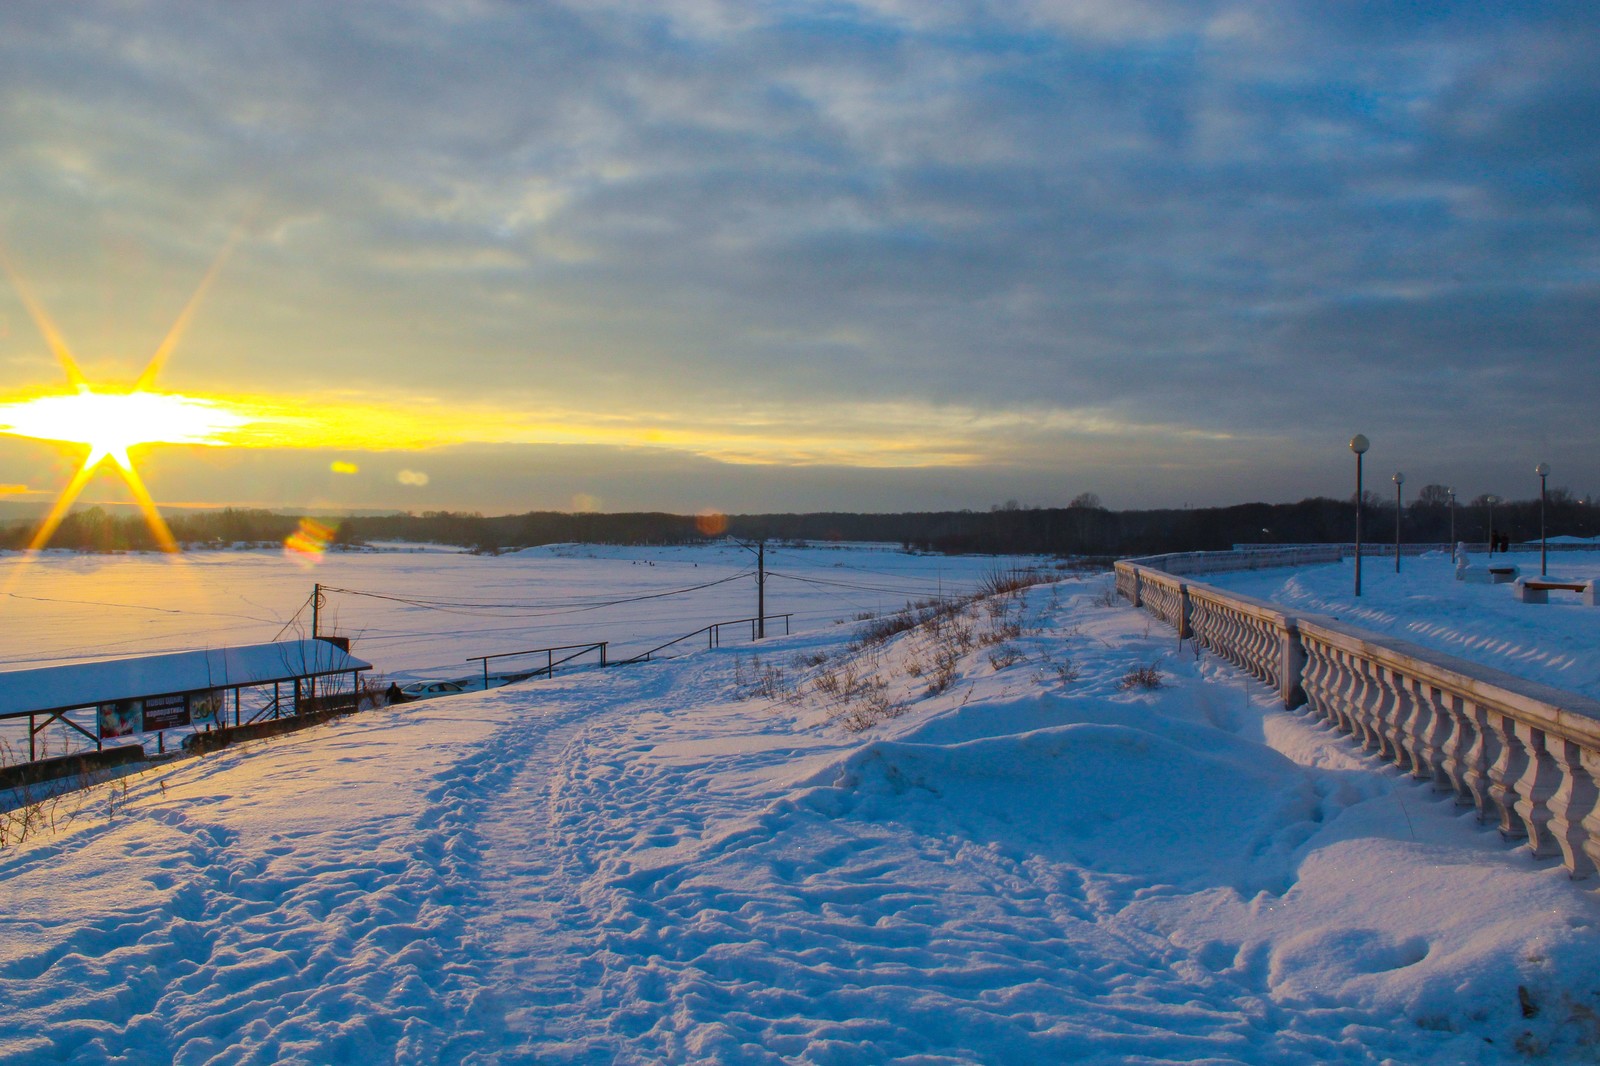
point(111, 422)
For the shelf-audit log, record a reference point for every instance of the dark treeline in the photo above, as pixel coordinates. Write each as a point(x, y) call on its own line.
point(1082, 529)
point(94, 529)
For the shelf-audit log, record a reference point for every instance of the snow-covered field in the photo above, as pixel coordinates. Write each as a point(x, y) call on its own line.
point(443, 605)
point(418, 612)
point(1553, 642)
point(696, 860)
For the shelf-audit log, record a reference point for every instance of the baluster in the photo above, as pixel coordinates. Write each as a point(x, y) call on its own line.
point(1267, 637)
point(1402, 719)
point(1589, 763)
point(1427, 731)
point(1481, 751)
point(1454, 745)
point(1363, 715)
point(1201, 623)
point(1344, 684)
point(1235, 638)
point(1573, 806)
point(1510, 760)
point(1314, 676)
point(1250, 646)
point(1533, 788)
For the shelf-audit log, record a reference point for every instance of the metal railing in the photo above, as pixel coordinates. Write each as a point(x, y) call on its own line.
point(713, 635)
point(551, 662)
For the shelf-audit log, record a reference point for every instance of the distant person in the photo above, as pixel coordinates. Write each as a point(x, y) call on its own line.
point(394, 694)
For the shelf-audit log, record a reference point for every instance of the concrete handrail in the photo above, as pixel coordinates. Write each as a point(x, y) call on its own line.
point(1524, 754)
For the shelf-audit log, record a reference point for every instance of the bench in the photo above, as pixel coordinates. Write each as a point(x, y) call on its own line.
point(1537, 589)
point(1489, 575)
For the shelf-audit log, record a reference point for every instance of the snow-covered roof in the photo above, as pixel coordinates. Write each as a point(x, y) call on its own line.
point(51, 688)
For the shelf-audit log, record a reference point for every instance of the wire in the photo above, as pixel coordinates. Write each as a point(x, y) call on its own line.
point(851, 585)
point(554, 607)
point(140, 607)
point(293, 619)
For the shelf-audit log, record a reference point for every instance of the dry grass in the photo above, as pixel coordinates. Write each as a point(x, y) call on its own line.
point(1141, 677)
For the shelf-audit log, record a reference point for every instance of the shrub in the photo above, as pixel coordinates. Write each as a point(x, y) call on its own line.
point(1005, 655)
point(1145, 677)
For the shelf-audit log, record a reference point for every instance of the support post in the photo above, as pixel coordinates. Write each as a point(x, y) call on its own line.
point(761, 590)
point(1358, 522)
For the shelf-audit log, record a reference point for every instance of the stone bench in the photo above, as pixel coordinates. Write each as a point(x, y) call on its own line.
point(1490, 575)
point(1537, 589)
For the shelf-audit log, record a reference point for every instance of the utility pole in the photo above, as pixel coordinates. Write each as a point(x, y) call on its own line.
point(761, 589)
point(316, 608)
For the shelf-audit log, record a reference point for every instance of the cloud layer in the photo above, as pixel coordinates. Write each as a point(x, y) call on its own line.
point(1170, 252)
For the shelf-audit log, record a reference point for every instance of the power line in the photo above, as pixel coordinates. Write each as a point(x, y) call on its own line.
point(552, 607)
point(902, 591)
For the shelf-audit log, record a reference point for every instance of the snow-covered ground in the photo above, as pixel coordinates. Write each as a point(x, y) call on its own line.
point(423, 615)
point(443, 606)
point(1553, 642)
point(697, 860)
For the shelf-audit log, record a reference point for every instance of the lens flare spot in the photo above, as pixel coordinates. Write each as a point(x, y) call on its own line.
point(339, 466)
point(412, 477)
point(584, 503)
point(309, 543)
point(711, 523)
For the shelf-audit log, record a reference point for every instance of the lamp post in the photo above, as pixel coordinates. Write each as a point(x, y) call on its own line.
point(1358, 444)
point(1491, 501)
point(1543, 470)
point(1398, 479)
point(1451, 495)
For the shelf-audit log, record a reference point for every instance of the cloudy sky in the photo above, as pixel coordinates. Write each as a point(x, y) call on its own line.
point(889, 254)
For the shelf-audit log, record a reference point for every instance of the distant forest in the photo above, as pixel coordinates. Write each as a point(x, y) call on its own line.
point(1084, 528)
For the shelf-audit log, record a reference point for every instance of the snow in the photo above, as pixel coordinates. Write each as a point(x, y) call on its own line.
point(54, 687)
point(695, 861)
point(1551, 643)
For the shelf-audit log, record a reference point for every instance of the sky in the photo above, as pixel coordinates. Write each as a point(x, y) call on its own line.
point(885, 255)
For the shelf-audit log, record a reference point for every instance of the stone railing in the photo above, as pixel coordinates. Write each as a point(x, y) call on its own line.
point(1526, 755)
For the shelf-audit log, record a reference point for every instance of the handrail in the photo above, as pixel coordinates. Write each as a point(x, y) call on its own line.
point(713, 638)
point(1526, 755)
point(549, 653)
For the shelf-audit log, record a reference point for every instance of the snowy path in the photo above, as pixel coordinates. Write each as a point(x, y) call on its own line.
point(657, 864)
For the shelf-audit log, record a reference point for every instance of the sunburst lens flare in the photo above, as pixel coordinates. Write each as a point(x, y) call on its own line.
point(112, 422)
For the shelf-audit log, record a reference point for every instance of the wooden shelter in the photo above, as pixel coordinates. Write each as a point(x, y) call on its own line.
point(154, 693)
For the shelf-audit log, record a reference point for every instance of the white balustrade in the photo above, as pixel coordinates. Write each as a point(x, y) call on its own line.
point(1525, 755)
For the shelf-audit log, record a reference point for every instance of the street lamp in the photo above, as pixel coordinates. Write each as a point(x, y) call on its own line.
point(1451, 494)
point(1358, 444)
point(1491, 500)
point(1398, 479)
point(1543, 470)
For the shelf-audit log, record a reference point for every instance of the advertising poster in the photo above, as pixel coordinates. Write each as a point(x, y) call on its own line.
point(205, 708)
point(120, 719)
point(165, 712)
